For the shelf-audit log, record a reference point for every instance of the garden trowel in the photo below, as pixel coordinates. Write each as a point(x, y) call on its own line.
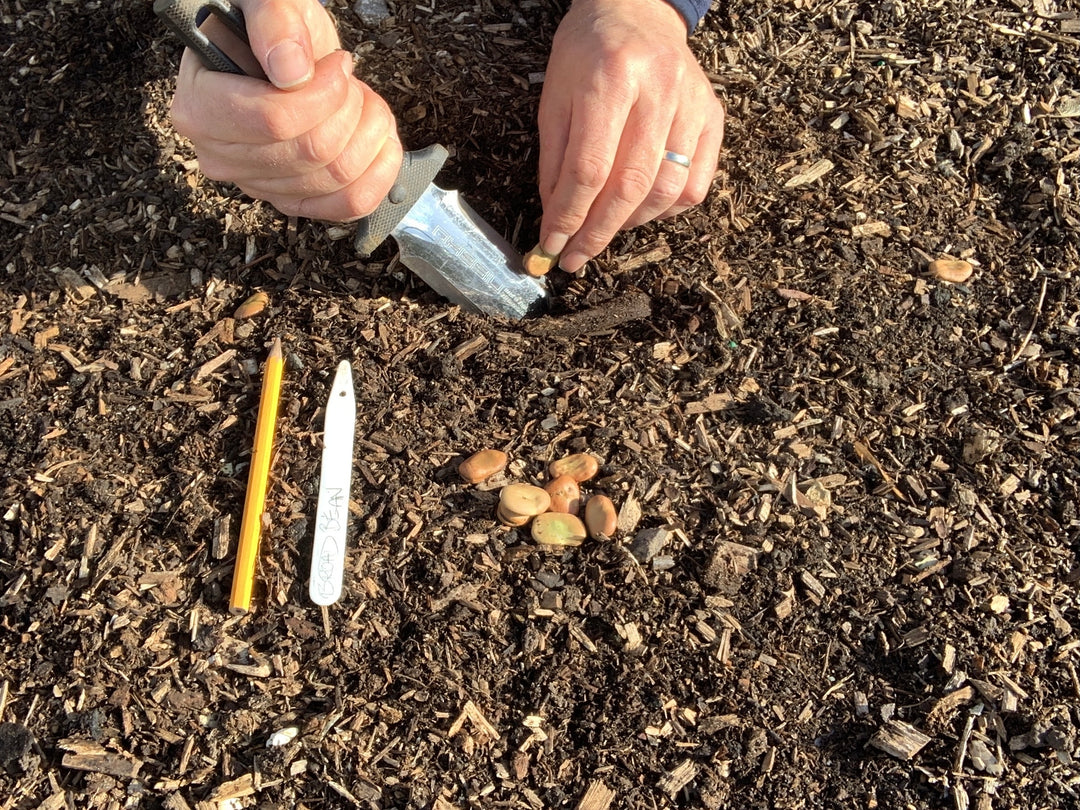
point(439, 236)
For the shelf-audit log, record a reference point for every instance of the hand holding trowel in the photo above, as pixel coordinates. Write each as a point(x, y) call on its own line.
point(440, 237)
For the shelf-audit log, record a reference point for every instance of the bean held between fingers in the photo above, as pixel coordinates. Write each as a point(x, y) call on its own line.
point(538, 262)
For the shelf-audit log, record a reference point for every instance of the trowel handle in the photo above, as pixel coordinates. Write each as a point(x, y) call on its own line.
point(418, 169)
point(183, 17)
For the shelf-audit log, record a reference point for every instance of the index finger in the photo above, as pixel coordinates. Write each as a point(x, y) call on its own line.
point(591, 144)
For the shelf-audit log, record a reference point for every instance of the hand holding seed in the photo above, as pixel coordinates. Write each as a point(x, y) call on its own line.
point(622, 89)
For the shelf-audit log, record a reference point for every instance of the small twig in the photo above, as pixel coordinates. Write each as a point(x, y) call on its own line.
point(1031, 329)
point(1075, 679)
point(839, 684)
point(30, 711)
point(636, 563)
point(327, 627)
point(961, 754)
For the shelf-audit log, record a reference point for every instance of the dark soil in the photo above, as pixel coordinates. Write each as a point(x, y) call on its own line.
point(867, 477)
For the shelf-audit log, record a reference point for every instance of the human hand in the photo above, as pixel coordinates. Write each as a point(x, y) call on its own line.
point(622, 88)
point(314, 141)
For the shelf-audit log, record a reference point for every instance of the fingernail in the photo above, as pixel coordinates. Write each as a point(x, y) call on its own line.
point(347, 64)
point(573, 262)
point(288, 65)
point(555, 243)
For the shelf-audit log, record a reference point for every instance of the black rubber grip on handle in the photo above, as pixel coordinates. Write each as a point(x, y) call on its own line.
point(183, 18)
point(418, 170)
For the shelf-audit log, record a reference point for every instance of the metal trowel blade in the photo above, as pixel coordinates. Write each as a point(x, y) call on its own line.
point(463, 258)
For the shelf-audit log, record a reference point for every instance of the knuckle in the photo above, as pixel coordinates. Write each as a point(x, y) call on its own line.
point(375, 118)
point(631, 185)
point(372, 130)
point(372, 102)
point(366, 193)
point(667, 189)
point(276, 129)
point(182, 119)
point(613, 62)
point(320, 147)
point(394, 155)
point(344, 168)
point(695, 192)
point(564, 222)
point(589, 171)
point(568, 222)
point(593, 241)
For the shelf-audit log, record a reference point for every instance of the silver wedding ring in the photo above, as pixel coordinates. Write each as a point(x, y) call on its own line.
point(675, 157)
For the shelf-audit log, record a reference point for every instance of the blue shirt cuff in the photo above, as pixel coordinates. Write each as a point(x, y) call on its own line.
point(691, 10)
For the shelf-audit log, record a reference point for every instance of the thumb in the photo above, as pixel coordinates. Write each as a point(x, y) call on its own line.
point(281, 41)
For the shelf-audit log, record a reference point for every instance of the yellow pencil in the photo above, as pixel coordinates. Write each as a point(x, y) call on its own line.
point(248, 550)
